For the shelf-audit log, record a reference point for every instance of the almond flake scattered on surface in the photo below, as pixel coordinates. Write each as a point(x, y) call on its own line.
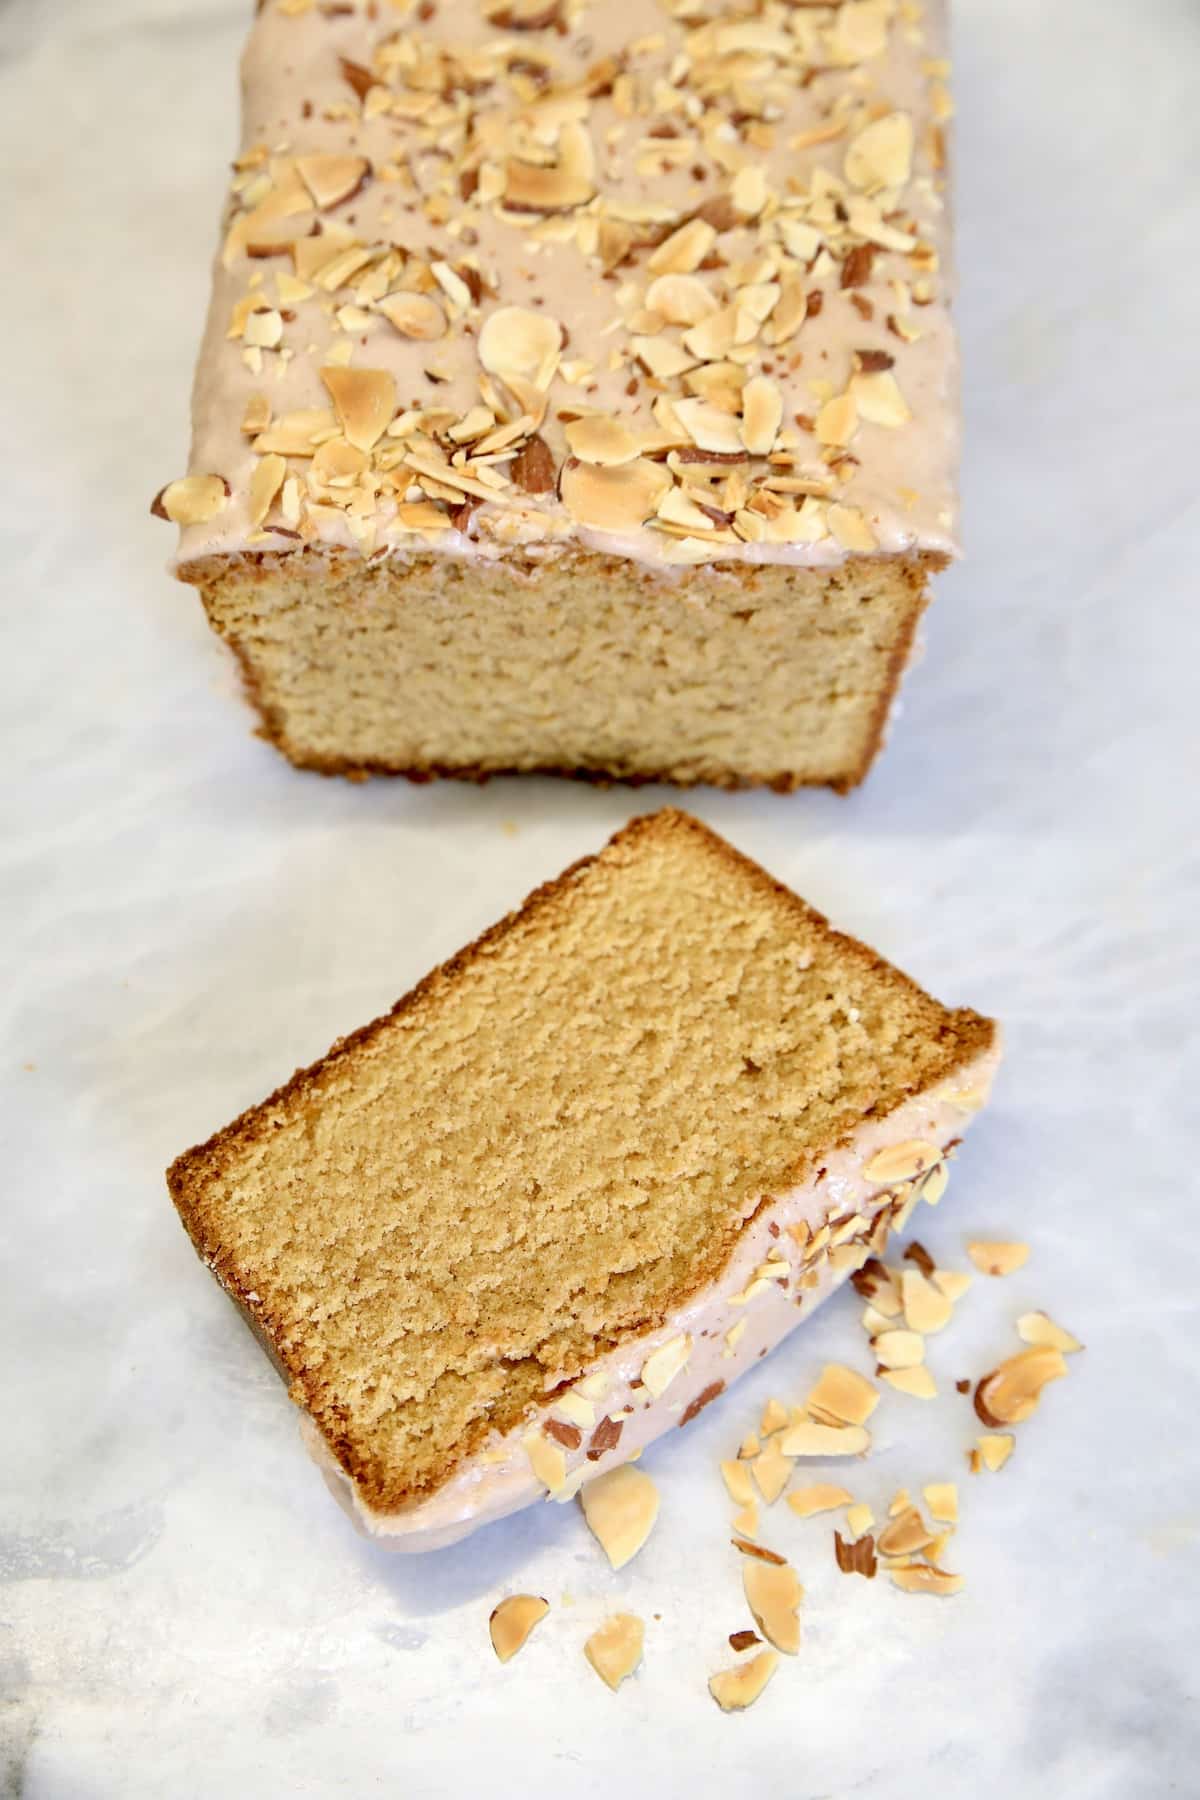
point(737, 1688)
point(746, 1521)
point(904, 1534)
point(1010, 1393)
point(620, 1508)
point(918, 1383)
point(844, 1394)
point(952, 1282)
point(819, 1497)
point(512, 1621)
point(615, 1648)
point(942, 1500)
point(926, 1309)
point(994, 1258)
point(749, 1446)
point(664, 1364)
point(924, 1578)
point(773, 1594)
point(774, 1418)
point(743, 1640)
point(772, 1469)
point(1039, 1328)
point(857, 1557)
point(736, 1477)
point(900, 1501)
point(859, 1518)
point(899, 1349)
point(993, 1451)
point(810, 1439)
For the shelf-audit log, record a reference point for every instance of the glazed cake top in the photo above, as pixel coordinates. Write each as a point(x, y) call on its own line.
point(660, 277)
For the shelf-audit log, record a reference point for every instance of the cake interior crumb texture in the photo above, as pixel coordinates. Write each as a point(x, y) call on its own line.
point(585, 664)
point(550, 1144)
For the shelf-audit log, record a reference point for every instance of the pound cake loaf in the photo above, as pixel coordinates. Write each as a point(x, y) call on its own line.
point(579, 389)
point(579, 1179)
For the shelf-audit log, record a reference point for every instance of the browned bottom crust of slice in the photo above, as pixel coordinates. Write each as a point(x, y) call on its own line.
point(587, 666)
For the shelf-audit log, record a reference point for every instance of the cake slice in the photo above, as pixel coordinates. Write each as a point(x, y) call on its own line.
point(579, 388)
point(579, 1179)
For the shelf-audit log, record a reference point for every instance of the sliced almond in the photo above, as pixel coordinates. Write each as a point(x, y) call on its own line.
point(859, 1518)
point(837, 423)
point(994, 1451)
point(664, 1364)
point(746, 1521)
point(995, 1258)
point(684, 250)
point(935, 1184)
point(414, 315)
point(1011, 1392)
point(899, 1349)
point(942, 1500)
point(773, 1595)
point(1039, 1328)
point(257, 415)
point(844, 1394)
point(265, 483)
point(517, 341)
point(762, 415)
point(926, 1308)
point(545, 1459)
point(810, 1439)
point(881, 154)
point(736, 1477)
point(857, 1557)
point(774, 1417)
point(192, 500)
point(605, 442)
point(905, 1534)
point(917, 1382)
point(749, 1446)
point(737, 1688)
point(681, 299)
point(365, 402)
point(924, 1578)
point(900, 1162)
point(333, 179)
point(709, 428)
point(771, 1471)
point(818, 1498)
point(615, 1649)
point(620, 1508)
point(879, 400)
point(512, 1621)
point(952, 1282)
point(617, 500)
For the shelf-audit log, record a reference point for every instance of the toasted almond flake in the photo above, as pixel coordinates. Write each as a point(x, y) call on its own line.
point(926, 1309)
point(810, 1439)
point(881, 154)
point(606, 442)
point(837, 420)
point(992, 1452)
point(762, 415)
point(900, 1501)
point(736, 1477)
point(746, 1521)
point(879, 400)
point(664, 1364)
point(771, 1471)
point(924, 1578)
point(1011, 1392)
point(942, 1500)
point(952, 1282)
point(1039, 1328)
point(546, 1459)
point(749, 193)
point(859, 1518)
point(615, 1648)
point(818, 1498)
point(905, 1534)
point(734, 1336)
point(332, 179)
point(844, 1395)
point(518, 341)
point(684, 250)
point(774, 1418)
point(737, 1688)
point(681, 299)
point(856, 1557)
point(743, 1640)
point(916, 1381)
point(900, 1162)
point(257, 414)
point(749, 1446)
point(265, 483)
point(192, 500)
point(620, 1508)
point(512, 1621)
point(662, 358)
point(297, 433)
point(899, 1349)
point(594, 1386)
point(993, 1258)
point(365, 401)
point(619, 499)
point(709, 428)
point(773, 1594)
point(414, 315)
point(574, 1407)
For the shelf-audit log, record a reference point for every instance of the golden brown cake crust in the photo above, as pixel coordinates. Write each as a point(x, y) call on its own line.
point(962, 1036)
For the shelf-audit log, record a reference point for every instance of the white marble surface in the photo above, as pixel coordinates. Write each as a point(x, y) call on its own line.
point(183, 1612)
